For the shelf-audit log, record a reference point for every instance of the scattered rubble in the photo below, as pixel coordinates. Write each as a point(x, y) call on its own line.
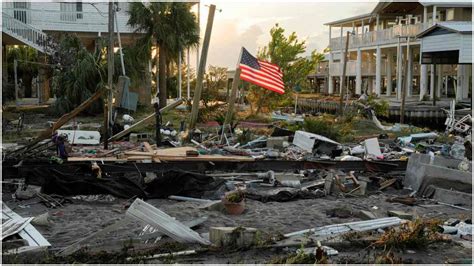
point(376, 190)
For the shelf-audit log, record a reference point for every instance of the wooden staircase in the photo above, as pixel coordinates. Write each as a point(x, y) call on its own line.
point(24, 33)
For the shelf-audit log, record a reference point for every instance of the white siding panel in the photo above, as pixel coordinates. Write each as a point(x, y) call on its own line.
point(47, 16)
point(445, 42)
point(465, 54)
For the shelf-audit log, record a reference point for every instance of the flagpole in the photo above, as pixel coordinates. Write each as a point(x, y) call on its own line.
point(233, 93)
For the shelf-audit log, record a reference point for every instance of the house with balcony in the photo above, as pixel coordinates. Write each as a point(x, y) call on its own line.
point(30, 23)
point(385, 51)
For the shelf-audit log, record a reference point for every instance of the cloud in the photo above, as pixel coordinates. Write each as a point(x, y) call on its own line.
point(226, 42)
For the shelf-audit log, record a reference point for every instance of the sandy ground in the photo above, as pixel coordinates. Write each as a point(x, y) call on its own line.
point(79, 219)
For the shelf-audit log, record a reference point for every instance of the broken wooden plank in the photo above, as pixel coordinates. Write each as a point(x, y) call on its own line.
point(387, 183)
point(63, 120)
point(97, 159)
point(148, 147)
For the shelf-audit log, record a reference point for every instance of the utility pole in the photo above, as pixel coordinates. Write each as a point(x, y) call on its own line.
point(202, 67)
point(435, 85)
point(404, 84)
point(110, 74)
point(343, 78)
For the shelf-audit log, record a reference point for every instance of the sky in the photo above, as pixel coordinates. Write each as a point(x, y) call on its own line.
point(248, 24)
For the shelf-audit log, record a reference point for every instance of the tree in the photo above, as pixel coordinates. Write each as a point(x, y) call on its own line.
point(26, 70)
point(78, 75)
point(287, 53)
point(216, 79)
point(171, 26)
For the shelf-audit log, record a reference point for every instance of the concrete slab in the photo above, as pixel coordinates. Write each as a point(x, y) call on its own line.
point(451, 196)
point(442, 173)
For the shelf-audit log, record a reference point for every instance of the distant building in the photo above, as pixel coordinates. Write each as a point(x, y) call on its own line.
point(30, 23)
point(379, 42)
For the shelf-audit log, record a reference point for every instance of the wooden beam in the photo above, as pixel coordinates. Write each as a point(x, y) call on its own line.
point(202, 67)
point(63, 120)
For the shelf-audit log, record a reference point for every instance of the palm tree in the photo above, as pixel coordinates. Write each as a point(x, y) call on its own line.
point(172, 27)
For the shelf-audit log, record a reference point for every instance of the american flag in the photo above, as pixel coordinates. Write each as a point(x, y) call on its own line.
point(261, 73)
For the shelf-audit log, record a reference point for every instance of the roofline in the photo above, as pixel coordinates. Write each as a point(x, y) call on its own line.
point(446, 4)
point(381, 4)
point(437, 25)
point(363, 16)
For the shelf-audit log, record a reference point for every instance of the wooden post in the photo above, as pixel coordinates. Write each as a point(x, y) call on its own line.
point(232, 96)
point(179, 75)
point(202, 68)
point(343, 77)
point(15, 66)
point(404, 84)
point(188, 65)
point(110, 74)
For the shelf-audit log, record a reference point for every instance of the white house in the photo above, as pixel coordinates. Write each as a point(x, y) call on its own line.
point(385, 50)
point(29, 22)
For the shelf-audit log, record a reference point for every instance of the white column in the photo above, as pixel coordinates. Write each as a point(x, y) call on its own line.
point(423, 80)
point(439, 84)
point(432, 82)
point(378, 71)
point(433, 74)
point(389, 73)
point(399, 71)
point(341, 62)
point(330, 79)
point(425, 14)
point(410, 71)
point(423, 68)
point(359, 72)
point(377, 23)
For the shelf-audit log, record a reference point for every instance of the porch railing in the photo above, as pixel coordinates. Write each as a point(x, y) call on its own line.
point(380, 37)
point(23, 32)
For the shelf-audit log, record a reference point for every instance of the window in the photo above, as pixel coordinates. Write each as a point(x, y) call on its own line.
point(79, 9)
point(450, 14)
point(21, 12)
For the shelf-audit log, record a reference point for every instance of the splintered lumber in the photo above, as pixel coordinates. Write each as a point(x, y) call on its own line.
point(180, 154)
point(64, 119)
point(98, 159)
point(148, 147)
point(145, 120)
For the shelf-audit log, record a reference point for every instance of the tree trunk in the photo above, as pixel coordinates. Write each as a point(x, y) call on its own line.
point(162, 95)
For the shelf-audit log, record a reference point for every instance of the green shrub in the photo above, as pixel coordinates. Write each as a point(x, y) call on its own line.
point(322, 127)
point(380, 106)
